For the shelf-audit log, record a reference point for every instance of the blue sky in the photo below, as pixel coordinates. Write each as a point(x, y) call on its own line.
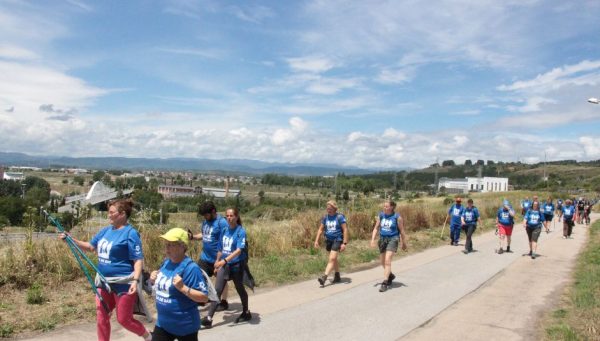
point(376, 84)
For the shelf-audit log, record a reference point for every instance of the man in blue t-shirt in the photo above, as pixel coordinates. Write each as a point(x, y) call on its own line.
point(525, 204)
point(454, 214)
point(469, 220)
point(213, 227)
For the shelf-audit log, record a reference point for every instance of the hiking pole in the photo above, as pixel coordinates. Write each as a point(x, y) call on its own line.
point(443, 227)
point(78, 254)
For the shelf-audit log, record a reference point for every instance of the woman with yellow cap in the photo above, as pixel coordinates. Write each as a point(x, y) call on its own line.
point(179, 287)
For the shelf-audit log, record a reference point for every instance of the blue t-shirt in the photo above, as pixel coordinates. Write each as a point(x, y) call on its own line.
point(389, 225)
point(470, 215)
point(333, 226)
point(549, 208)
point(504, 217)
point(212, 230)
point(117, 250)
point(534, 218)
point(525, 204)
point(455, 213)
point(568, 212)
point(232, 240)
point(177, 313)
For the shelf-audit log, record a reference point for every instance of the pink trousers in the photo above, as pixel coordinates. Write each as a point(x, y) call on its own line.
point(124, 304)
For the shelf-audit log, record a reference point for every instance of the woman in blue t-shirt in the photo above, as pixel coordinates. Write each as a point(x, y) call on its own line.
point(230, 265)
point(179, 287)
point(336, 235)
point(120, 259)
point(533, 221)
point(391, 232)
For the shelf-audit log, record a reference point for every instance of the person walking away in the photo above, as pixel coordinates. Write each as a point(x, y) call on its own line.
point(532, 223)
point(559, 206)
point(587, 211)
point(179, 286)
point(525, 204)
point(505, 221)
point(568, 212)
point(469, 219)
point(548, 209)
point(455, 213)
point(120, 258)
point(229, 265)
point(334, 226)
point(211, 232)
point(391, 231)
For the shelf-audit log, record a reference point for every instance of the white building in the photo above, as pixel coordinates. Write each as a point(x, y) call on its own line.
point(485, 184)
point(13, 176)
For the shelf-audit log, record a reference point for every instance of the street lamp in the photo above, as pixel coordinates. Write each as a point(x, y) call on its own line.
point(594, 100)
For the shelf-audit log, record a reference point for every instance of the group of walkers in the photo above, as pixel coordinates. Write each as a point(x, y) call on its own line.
point(536, 216)
point(181, 285)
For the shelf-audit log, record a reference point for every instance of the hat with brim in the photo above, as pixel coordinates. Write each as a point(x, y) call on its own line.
point(177, 235)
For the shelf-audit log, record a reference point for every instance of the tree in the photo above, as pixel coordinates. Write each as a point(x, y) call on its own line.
point(346, 195)
point(490, 162)
point(98, 175)
point(468, 163)
point(480, 162)
point(448, 163)
point(78, 180)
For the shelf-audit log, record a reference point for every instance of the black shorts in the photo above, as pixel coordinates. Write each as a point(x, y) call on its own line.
point(388, 244)
point(333, 245)
point(548, 217)
point(208, 267)
point(534, 233)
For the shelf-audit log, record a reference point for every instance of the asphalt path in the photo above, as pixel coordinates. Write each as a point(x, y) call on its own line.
point(440, 293)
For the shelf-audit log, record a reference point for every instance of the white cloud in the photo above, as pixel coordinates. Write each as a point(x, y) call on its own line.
point(312, 64)
point(16, 52)
point(591, 146)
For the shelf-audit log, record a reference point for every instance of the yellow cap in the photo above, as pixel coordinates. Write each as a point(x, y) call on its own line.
point(177, 235)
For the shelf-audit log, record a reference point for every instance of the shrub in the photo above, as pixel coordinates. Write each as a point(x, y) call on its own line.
point(35, 294)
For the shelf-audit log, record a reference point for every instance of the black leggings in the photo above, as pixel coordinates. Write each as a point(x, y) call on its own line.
point(235, 273)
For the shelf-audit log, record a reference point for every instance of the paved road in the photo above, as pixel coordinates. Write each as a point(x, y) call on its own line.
point(438, 294)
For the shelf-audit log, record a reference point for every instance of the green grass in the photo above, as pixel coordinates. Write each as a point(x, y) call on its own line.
point(578, 317)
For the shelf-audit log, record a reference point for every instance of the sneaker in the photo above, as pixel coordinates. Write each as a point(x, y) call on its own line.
point(530, 253)
point(533, 255)
point(452, 242)
point(337, 278)
point(244, 316)
point(564, 237)
point(383, 287)
point(508, 248)
point(206, 323)
point(322, 280)
point(391, 277)
point(465, 252)
point(500, 251)
point(223, 305)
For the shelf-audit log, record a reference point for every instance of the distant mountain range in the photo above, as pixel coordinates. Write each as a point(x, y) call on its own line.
point(240, 166)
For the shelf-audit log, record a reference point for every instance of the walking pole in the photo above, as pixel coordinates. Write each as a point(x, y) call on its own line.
point(443, 227)
point(79, 254)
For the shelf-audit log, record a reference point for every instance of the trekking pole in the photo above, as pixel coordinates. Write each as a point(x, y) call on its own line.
point(444, 226)
point(79, 254)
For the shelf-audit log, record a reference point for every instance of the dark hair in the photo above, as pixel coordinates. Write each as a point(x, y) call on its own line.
point(122, 205)
point(392, 203)
point(470, 201)
point(206, 208)
point(237, 214)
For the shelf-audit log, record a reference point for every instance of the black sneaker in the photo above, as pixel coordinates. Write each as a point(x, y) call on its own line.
point(245, 316)
point(206, 323)
point(322, 280)
point(223, 305)
point(465, 252)
point(391, 277)
point(337, 278)
point(383, 287)
point(500, 251)
point(508, 248)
